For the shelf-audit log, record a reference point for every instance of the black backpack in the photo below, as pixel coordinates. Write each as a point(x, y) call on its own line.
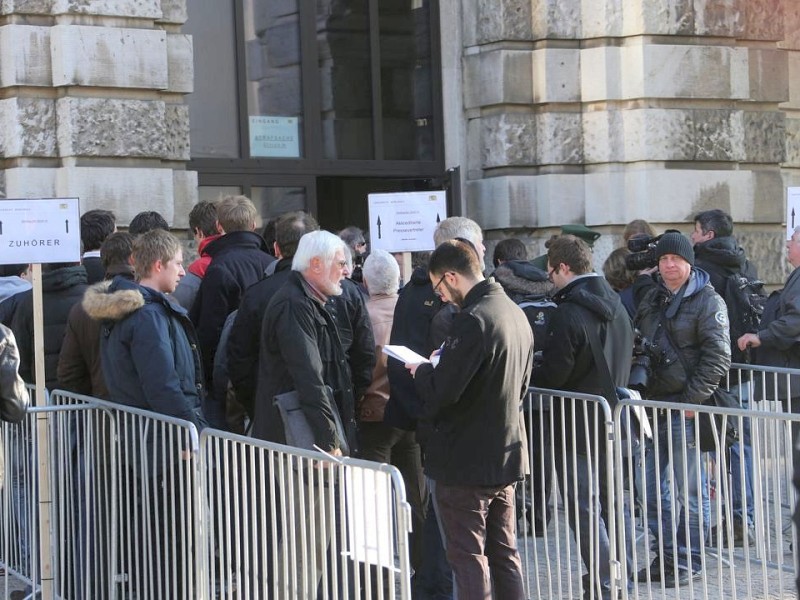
point(538, 310)
point(745, 299)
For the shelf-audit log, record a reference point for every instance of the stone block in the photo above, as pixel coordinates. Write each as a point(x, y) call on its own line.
point(138, 9)
point(769, 75)
point(656, 17)
point(497, 77)
point(29, 127)
point(120, 190)
point(792, 143)
point(111, 127)
point(266, 13)
point(173, 11)
point(109, 57)
point(793, 68)
point(676, 195)
point(25, 182)
point(688, 72)
point(27, 7)
point(724, 18)
point(25, 52)
point(601, 18)
point(176, 140)
point(185, 186)
point(501, 20)
point(180, 63)
point(473, 142)
point(559, 138)
point(718, 135)
point(791, 12)
point(601, 72)
point(556, 75)
point(603, 136)
point(508, 140)
point(766, 249)
point(764, 137)
point(515, 201)
point(764, 20)
point(658, 134)
point(555, 19)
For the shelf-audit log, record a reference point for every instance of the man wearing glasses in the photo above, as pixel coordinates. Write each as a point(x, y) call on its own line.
point(477, 450)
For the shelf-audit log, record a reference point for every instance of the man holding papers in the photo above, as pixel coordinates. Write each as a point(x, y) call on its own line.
point(477, 451)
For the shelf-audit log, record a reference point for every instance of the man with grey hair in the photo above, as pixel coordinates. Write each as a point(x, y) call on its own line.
point(300, 347)
point(301, 351)
point(422, 322)
point(380, 441)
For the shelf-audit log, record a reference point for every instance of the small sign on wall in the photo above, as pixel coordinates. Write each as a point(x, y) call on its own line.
point(792, 210)
point(275, 137)
point(41, 230)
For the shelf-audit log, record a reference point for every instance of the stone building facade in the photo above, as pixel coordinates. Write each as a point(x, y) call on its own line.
point(93, 104)
point(602, 111)
point(556, 111)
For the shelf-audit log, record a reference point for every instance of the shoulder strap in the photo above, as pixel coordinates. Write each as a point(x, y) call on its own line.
point(675, 347)
point(609, 389)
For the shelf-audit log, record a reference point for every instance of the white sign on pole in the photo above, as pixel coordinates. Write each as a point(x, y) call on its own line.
point(792, 210)
point(40, 230)
point(405, 221)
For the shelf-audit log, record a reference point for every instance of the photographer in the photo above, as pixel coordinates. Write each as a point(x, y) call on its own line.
point(686, 323)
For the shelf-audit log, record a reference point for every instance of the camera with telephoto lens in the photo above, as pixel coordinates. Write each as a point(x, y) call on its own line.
point(645, 355)
point(643, 253)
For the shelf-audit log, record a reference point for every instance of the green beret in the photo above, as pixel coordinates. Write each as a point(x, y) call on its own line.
point(581, 231)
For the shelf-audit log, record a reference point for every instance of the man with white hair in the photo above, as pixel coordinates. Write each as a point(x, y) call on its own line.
point(300, 348)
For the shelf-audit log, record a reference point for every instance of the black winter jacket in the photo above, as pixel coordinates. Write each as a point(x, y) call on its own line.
point(416, 324)
point(238, 260)
point(567, 360)
point(697, 321)
point(720, 257)
point(245, 336)
point(473, 397)
point(300, 350)
point(780, 339)
point(61, 289)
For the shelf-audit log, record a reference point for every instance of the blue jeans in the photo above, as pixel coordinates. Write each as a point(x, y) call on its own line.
point(591, 489)
point(679, 481)
point(742, 474)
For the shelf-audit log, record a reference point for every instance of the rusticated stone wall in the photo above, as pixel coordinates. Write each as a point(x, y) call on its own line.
point(93, 104)
point(602, 111)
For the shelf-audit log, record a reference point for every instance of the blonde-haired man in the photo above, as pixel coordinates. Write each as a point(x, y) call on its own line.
point(238, 260)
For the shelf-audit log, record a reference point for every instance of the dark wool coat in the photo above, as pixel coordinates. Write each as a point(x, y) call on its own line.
point(473, 397)
point(300, 350)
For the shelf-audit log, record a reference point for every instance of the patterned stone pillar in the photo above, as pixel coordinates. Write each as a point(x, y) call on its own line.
point(93, 104)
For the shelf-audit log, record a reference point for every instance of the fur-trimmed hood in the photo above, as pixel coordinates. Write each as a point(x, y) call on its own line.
point(521, 279)
point(106, 301)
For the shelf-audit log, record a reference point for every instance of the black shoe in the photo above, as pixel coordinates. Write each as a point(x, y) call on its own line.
point(740, 533)
point(653, 572)
point(681, 578)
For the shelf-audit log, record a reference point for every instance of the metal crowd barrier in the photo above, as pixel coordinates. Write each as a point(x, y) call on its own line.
point(290, 524)
point(141, 507)
point(739, 542)
point(134, 499)
point(570, 455)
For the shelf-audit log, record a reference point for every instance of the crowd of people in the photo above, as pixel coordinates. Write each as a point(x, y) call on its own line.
point(296, 309)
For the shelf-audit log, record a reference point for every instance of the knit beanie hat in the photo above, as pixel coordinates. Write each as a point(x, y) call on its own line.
point(675, 243)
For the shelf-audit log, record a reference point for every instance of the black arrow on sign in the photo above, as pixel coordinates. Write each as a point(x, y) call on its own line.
point(67, 224)
point(438, 219)
point(793, 217)
point(379, 227)
point(1, 228)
